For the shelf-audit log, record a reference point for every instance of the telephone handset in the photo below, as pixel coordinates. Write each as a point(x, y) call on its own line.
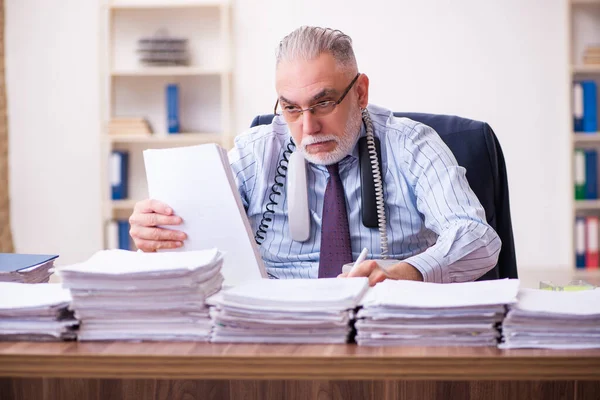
point(292, 168)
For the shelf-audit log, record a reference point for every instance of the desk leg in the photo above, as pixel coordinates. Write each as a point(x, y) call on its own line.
point(133, 389)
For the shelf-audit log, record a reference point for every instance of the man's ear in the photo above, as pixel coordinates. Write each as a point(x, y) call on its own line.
point(362, 88)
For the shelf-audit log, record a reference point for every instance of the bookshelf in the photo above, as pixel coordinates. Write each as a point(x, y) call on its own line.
point(584, 30)
point(133, 89)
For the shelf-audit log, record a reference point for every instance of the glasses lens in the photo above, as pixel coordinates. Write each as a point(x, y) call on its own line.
point(291, 114)
point(324, 108)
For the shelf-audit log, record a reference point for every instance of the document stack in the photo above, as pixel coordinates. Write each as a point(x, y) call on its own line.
point(406, 313)
point(554, 320)
point(124, 295)
point(287, 311)
point(26, 268)
point(35, 312)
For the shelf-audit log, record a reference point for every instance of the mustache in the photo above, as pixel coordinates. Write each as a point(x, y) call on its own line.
point(308, 140)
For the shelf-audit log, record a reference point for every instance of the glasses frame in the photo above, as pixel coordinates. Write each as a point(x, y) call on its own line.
point(312, 108)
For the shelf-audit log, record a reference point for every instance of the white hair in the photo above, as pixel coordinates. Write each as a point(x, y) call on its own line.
point(309, 42)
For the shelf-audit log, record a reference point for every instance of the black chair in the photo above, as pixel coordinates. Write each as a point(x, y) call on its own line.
point(477, 149)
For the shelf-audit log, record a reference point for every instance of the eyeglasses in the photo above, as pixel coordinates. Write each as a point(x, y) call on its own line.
point(293, 113)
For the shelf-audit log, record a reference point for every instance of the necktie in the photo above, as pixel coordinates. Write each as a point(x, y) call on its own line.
point(335, 233)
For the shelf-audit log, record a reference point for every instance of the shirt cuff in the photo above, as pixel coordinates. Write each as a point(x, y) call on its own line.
point(428, 266)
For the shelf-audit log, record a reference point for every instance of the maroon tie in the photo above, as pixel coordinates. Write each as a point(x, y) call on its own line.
point(335, 233)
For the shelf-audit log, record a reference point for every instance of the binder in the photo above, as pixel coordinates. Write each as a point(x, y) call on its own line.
point(123, 229)
point(579, 174)
point(591, 254)
point(11, 262)
point(118, 235)
point(580, 242)
point(577, 107)
point(172, 108)
point(119, 166)
point(591, 174)
point(585, 106)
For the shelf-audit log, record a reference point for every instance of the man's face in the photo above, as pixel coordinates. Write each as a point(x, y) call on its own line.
point(322, 139)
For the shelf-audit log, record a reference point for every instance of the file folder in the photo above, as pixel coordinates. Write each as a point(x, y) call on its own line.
point(591, 174)
point(580, 242)
point(579, 174)
point(591, 254)
point(119, 165)
point(173, 108)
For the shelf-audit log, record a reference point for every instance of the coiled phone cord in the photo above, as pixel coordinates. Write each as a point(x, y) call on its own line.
point(378, 183)
point(280, 175)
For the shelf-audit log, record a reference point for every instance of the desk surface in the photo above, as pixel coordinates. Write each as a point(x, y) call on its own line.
point(166, 360)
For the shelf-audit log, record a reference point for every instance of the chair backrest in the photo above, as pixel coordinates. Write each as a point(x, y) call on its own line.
point(477, 149)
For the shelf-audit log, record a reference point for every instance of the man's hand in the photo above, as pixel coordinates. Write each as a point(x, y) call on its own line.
point(370, 269)
point(144, 221)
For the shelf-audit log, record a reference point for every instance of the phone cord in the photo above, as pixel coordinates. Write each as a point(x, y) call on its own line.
point(280, 175)
point(378, 181)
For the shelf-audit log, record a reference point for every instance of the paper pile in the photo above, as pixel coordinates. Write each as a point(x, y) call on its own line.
point(429, 314)
point(556, 320)
point(124, 295)
point(35, 312)
point(287, 311)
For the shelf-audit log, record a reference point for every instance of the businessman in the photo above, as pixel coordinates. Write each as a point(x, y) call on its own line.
point(436, 227)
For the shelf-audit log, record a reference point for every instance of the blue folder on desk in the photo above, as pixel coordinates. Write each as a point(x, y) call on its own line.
point(11, 262)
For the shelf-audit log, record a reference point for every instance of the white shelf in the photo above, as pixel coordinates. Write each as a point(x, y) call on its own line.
point(172, 139)
point(593, 137)
point(167, 4)
point(587, 205)
point(577, 2)
point(168, 71)
point(586, 69)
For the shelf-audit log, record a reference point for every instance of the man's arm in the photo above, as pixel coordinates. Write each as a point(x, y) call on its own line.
point(467, 247)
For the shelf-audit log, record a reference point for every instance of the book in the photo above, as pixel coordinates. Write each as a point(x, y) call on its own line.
point(198, 184)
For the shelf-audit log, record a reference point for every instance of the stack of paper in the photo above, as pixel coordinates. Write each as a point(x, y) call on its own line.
point(287, 311)
point(124, 295)
point(429, 314)
point(35, 312)
point(556, 320)
point(26, 268)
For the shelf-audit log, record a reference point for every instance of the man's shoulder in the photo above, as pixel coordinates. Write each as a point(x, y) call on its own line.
point(276, 131)
point(394, 126)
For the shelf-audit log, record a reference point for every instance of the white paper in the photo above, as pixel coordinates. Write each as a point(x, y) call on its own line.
point(197, 182)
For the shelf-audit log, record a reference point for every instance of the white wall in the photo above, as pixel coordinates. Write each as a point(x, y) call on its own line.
point(501, 62)
point(53, 111)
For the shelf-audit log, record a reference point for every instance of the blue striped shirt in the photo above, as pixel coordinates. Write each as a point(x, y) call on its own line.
point(434, 220)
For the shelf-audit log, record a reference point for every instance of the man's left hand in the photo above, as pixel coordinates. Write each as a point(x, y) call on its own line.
point(372, 270)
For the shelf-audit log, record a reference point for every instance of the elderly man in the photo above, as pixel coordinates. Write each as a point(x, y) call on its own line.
point(430, 221)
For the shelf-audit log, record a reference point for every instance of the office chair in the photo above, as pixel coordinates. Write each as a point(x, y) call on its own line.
point(477, 149)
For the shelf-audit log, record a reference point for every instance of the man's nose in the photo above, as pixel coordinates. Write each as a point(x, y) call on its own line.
point(310, 123)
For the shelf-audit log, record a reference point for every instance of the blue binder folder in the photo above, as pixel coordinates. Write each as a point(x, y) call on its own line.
point(172, 108)
point(124, 241)
point(119, 166)
point(591, 174)
point(580, 242)
point(11, 262)
point(585, 116)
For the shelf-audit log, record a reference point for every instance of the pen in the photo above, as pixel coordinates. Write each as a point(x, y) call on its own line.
point(361, 257)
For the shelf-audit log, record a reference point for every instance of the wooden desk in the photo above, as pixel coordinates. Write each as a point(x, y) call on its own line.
point(208, 371)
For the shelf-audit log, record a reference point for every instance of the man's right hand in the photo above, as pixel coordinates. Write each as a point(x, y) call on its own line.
point(144, 221)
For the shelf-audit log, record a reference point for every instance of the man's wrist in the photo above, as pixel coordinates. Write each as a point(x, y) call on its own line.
point(404, 271)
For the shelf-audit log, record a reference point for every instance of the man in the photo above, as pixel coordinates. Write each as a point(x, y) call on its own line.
point(436, 226)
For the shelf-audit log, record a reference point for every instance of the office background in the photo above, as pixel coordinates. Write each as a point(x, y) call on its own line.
point(504, 62)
